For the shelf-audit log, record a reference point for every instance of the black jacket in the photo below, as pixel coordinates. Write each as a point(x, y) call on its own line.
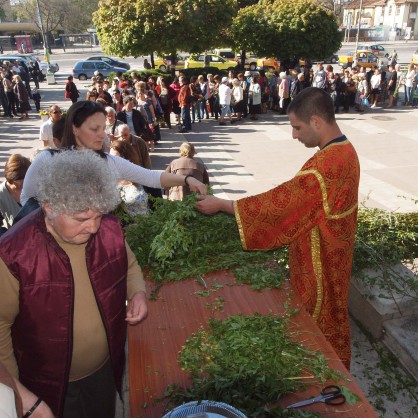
point(140, 124)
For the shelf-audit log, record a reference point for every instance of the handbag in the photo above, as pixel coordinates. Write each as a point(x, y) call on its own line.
point(365, 102)
point(67, 92)
point(351, 89)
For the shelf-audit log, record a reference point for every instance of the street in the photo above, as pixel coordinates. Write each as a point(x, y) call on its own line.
point(66, 61)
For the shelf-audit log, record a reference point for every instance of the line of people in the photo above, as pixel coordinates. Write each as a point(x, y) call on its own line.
point(15, 89)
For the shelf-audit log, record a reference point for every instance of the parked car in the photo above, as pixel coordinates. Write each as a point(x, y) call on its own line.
point(12, 58)
point(333, 59)
point(229, 54)
point(198, 61)
point(268, 64)
point(27, 58)
point(162, 62)
point(415, 57)
point(86, 69)
point(364, 59)
point(226, 53)
point(110, 61)
point(378, 50)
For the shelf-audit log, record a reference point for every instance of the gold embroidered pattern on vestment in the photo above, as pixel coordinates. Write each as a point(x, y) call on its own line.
point(239, 223)
point(317, 267)
point(325, 196)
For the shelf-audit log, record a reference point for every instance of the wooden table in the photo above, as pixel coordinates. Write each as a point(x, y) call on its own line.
point(179, 311)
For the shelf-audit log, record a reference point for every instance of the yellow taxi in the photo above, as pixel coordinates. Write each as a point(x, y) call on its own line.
point(415, 57)
point(198, 61)
point(268, 63)
point(364, 59)
point(162, 63)
point(378, 50)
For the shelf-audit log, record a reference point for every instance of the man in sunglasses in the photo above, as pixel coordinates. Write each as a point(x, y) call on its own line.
point(45, 133)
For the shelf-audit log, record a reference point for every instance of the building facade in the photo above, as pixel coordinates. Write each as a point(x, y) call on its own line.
point(383, 19)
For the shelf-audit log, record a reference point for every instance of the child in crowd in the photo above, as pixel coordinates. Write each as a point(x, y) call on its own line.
point(36, 96)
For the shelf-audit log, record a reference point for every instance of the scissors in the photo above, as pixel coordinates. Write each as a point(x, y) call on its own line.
point(331, 395)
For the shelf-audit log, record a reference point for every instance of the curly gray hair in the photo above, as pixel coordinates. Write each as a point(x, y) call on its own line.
point(78, 180)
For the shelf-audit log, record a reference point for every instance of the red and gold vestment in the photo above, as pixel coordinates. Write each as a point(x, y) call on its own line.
point(315, 213)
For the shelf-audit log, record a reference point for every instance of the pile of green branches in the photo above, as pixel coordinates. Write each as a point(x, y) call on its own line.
point(177, 242)
point(249, 362)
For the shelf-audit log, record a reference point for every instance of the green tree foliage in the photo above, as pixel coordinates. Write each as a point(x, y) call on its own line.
point(140, 27)
point(287, 28)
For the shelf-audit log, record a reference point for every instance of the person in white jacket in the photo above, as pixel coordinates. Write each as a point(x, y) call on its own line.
point(254, 98)
point(237, 98)
point(225, 100)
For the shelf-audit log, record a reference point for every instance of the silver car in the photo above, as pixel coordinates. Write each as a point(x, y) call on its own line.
point(88, 69)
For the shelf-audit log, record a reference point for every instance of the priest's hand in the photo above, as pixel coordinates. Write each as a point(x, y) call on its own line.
point(209, 205)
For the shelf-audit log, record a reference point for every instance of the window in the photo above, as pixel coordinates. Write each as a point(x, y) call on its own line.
point(102, 66)
point(229, 55)
point(88, 65)
point(398, 10)
point(390, 11)
point(215, 58)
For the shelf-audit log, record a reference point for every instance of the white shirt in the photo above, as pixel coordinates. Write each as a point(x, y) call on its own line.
point(7, 402)
point(238, 93)
point(45, 133)
point(224, 95)
point(409, 78)
point(129, 121)
point(375, 81)
point(123, 169)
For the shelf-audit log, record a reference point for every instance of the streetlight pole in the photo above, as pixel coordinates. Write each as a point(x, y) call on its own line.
point(359, 23)
point(44, 38)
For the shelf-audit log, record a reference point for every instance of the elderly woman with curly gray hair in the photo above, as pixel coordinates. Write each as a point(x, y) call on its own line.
point(85, 129)
point(72, 285)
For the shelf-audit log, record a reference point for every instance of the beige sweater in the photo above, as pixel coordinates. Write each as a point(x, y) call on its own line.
point(90, 349)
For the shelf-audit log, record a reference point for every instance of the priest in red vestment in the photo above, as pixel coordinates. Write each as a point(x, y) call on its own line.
point(314, 213)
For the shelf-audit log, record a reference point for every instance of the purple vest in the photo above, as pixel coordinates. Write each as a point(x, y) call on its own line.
point(42, 331)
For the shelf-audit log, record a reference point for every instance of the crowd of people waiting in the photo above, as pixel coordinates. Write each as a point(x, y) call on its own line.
point(237, 96)
point(15, 89)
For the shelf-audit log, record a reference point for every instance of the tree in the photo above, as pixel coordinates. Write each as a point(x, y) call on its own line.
point(79, 16)
point(165, 26)
point(287, 29)
point(73, 16)
point(337, 6)
point(52, 11)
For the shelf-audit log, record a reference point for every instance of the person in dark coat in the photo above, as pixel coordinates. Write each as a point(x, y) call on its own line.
point(132, 117)
point(35, 73)
point(22, 96)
